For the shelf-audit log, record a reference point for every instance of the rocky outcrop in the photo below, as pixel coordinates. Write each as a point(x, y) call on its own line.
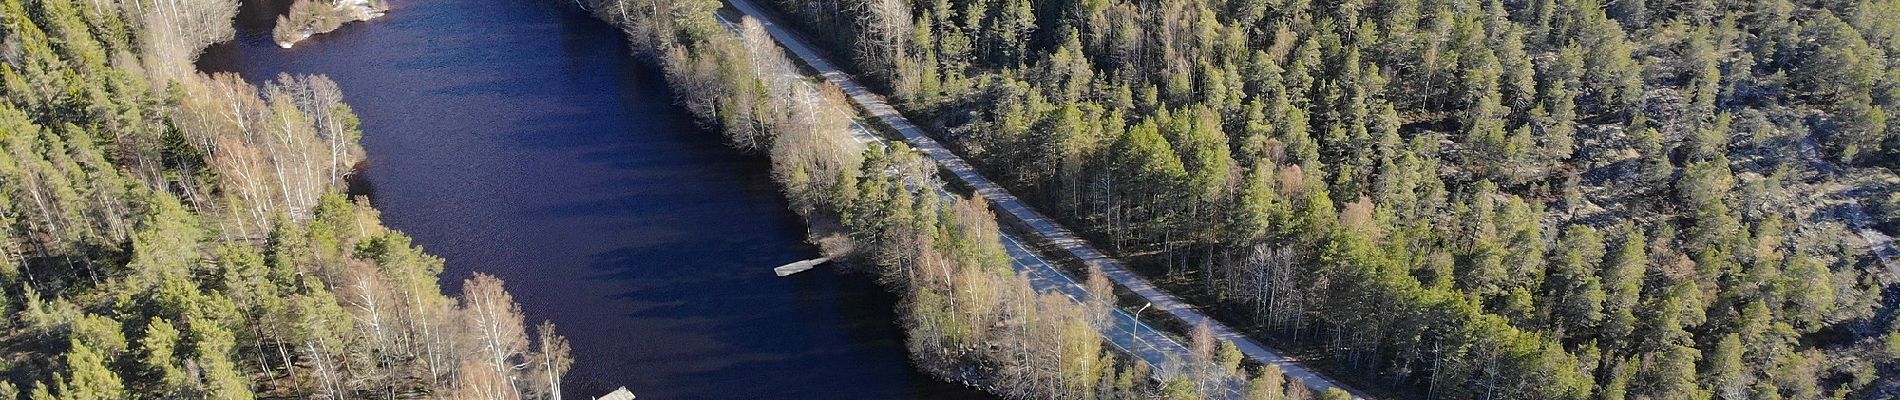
point(308, 18)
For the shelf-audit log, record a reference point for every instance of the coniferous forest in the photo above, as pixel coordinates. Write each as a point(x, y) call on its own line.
point(968, 317)
point(1439, 199)
point(172, 234)
point(1452, 199)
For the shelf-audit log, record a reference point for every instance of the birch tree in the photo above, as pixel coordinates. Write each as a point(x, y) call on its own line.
point(551, 361)
point(493, 323)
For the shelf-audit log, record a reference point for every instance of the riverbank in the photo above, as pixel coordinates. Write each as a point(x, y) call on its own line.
point(546, 155)
point(219, 256)
point(308, 18)
point(1039, 228)
point(969, 314)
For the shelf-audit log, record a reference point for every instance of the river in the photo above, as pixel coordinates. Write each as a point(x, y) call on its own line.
point(519, 138)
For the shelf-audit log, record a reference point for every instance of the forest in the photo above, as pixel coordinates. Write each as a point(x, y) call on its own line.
point(968, 316)
point(1459, 199)
point(1515, 234)
point(1539, 199)
point(171, 234)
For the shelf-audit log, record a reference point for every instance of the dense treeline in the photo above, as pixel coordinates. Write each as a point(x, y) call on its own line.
point(1459, 198)
point(970, 317)
point(168, 234)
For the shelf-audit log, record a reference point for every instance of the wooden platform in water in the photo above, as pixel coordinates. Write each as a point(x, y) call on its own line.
point(800, 266)
point(618, 394)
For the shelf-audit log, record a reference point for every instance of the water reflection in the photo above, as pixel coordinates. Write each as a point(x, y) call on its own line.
point(517, 138)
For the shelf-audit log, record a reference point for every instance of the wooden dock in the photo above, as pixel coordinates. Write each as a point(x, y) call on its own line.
point(618, 394)
point(800, 266)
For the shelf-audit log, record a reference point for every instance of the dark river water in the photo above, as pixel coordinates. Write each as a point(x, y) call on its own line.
point(518, 138)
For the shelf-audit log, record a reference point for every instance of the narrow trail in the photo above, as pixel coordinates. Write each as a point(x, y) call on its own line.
point(1152, 344)
point(1855, 216)
point(1853, 213)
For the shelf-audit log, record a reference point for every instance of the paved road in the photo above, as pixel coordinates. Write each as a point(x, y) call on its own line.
point(1123, 331)
point(1039, 227)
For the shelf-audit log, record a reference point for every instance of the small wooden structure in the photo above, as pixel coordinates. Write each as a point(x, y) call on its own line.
point(800, 266)
point(617, 394)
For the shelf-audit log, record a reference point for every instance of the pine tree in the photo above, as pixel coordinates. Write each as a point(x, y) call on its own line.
point(88, 376)
point(1722, 369)
point(223, 379)
point(1575, 293)
point(1810, 288)
point(1840, 68)
point(160, 347)
point(1623, 282)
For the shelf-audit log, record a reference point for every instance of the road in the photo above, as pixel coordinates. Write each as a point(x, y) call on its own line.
point(1124, 331)
point(1039, 227)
